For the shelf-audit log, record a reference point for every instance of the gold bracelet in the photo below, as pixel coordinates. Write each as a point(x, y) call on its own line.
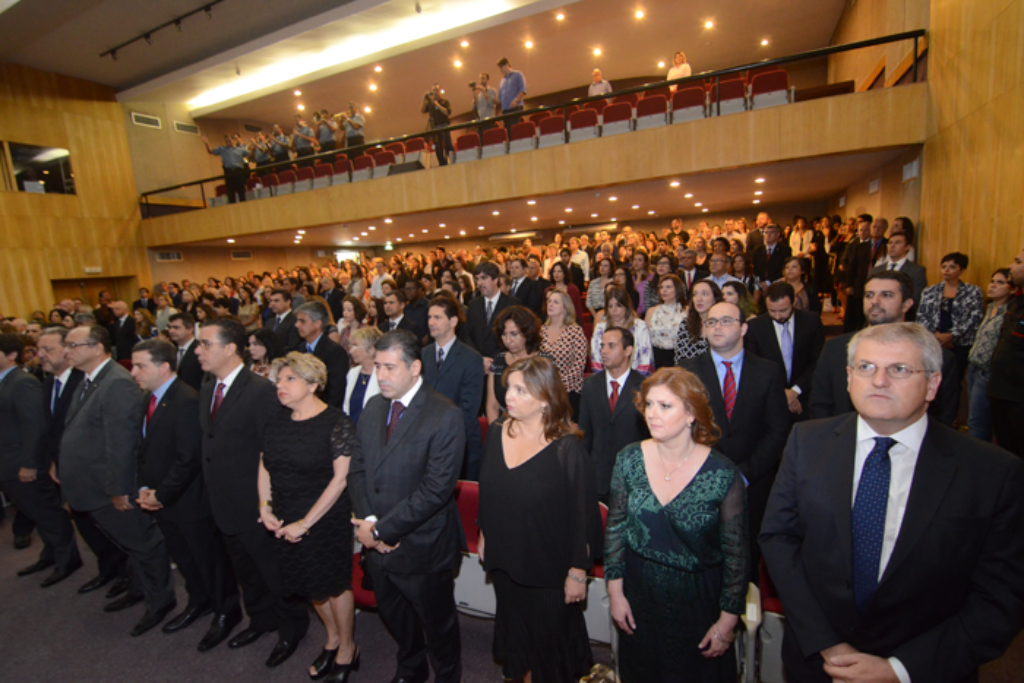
point(266, 504)
point(302, 524)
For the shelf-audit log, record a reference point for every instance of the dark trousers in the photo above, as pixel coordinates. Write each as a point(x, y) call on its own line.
point(39, 501)
point(197, 549)
point(303, 160)
point(355, 140)
point(853, 316)
point(109, 558)
point(443, 147)
point(256, 565)
point(22, 524)
point(135, 532)
point(235, 182)
point(419, 610)
point(1008, 424)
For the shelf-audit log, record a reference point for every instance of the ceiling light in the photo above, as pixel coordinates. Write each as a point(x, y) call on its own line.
point(597, 52)
point(661, 65)
point(464, 43)
point(447, 237)
point(613, 199)
point(533, 218)
point(531, 202)
point(230, 241)
point(674, 183)
point(699, 204)
point(614, 219)
point(759, 193)
point(480, 228)
point(411, 235)
point(764, 43)
point(301, 107)
point(495, 213)
point(561, 222)
point(650, 213)
point(423, 230)
point(569, 210)
point(300, 232)
point(639, 14)
point(458, 64)
point(399, 239)
point(356, 239)
point(709, 24)
point(559, 16)
point(364, 234)
point(529, 44)
point(378, 68)
point(636, 206)
point(759, 180)
point(462, 232)
point(373, 86)
point(298, 93)
point(757, 201)
point(688, 195)
point(367, 110)
point(593, 215)
point(373, 227)
point(704, 210)
point(387, 220)
point(441, 225)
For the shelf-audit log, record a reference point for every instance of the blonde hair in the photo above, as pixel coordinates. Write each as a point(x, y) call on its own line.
point(366, 337)
point(567, 305)
point(306, 367)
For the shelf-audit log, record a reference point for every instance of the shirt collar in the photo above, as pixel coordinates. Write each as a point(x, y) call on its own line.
point(3, 375)
point(229, 380)
point(411, 394)
point(621, 379)
point(737, 360)
point(788, 324)
point(64, 376)
point(493, 299)
point(92, 375)
point(312, 345)
point(910, 437)
point(447, 347)
point(162, 389)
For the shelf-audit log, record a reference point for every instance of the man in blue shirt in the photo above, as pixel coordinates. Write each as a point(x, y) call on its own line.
point(354, 122)
point(280, 144)
point(511, 91)
point(325, 127)
point(236, 167)
point(303, 141)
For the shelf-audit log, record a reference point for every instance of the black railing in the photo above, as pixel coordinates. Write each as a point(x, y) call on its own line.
point(436, 133)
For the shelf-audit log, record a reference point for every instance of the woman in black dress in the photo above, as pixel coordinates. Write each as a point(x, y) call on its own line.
point(304, 501)
point(517, 330)
point(539, 516)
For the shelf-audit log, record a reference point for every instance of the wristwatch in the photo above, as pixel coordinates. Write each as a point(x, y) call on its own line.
point(373, 532)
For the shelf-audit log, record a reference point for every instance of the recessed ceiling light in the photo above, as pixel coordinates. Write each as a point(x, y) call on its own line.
point(597, 52)
point(759, 180)
point(661, 65)
point(613, 199)
point(298, 93)
point(757, 201)
point(411, 235)
point(699, 204)
point(387, 220)
point(569, 210)
point(613, 219)
point(593, 215)
point(464, 43)
point(531, 202)
point(533, 218)
point(373, 227)
point(480, 227)
point(764, 43)
point(495, 213)
point(559, 16)
point(639, 14)
point(230, 241)
point(709, 24)
point(367, 110)
point(650, 213)
point(458, 63)
point(462, 232)
point(704, 210)
point(636, 206)
point(674, 183)
point(513, 230)
point(301, 107)
point(441, 225)
point(529, 44)
point(423, 230)
point(688, 195)
point(378, 68)
point(373, 86)
point(759, 193)
point(398, 239)
point(561, 222)
point(356, 239)
point(447, 237)
point(364, 234)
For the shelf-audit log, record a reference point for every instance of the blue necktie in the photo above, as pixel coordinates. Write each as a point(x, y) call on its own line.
point(56, 396)
point(786, 346)
point(868, 521)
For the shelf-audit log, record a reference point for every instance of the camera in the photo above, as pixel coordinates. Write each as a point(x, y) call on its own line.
point(472, 84)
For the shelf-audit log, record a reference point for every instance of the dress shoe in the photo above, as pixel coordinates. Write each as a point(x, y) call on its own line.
point(281, 652)
point(97, 583)
point(220, 629)
point(151, 619)
point(22, 542)
point(340, 673)
point(321, 666)
point(120, 586)
point(415, 678)
point(123, 602)
point(246, 637)
point(61, 573)
point(187, 618)
point(37, 567)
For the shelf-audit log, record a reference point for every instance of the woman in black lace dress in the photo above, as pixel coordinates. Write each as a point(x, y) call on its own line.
point(305, 502)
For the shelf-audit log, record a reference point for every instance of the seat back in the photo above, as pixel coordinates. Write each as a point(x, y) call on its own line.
point(398, 149)
point(689, 97)
point(251, 182)
point(657, 92)
point(323, 170)
point(384, 158)
point(620, 111)
point(756, 71)
point(553, 125)
point(271, 180)
point(771, 81)
point(651, 106)
point(221, 191)
point(570, 110)
point(342, 166)
point(597, 105)
point(495, 136)
point(286, 177)
point(414, 145)
point(631, 99)
point(466, 142)
point(584, 118)
point(305, 173)
point(362, 162)
point(467, 497)
point(729, 90)
point(520, 131)
point(538, 117)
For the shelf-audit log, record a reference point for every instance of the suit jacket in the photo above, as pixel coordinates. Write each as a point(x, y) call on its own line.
point(232, 444)
point(461, 381)
point(404, 324)
point(170, 459)
point(409, 481)
point(336, 360)
point(530, 295)
point(862, 261)
point(150, 305)
point(481, 334)
point(698, 275)
point(100, 447)
point(417, 315)
point(962, 533)
point(605, 433)
point(755, 239)
point(55, 416)
point(189, 370)
point(808, 340)
point(576, 275)
point(286, 336)
point(769, 269)
point(334, 299)
point(124, 338)
point(919, 274)
point(22, 424)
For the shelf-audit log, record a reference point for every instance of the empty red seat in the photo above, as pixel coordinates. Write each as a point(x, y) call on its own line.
point(251, 183)
point(305, 173)
point(414, 145)
point(652, 111)
point(384, 158)
point(570, 110)
point(538, 117)
point(584, 118)
point(756, 71)
point(495, 136)
point(688, 104)
point(733, 97)
point(362, 162)
point(657, 92)
point(552, 125)
point(769, 89)
point(620, 111)
point(342, 167)
point(323, 170)
point(286, 177)
point(631, 99)
point(221, 191)
point(398, 149)
point(597, 105)
point(522, 137)
point(467, 142)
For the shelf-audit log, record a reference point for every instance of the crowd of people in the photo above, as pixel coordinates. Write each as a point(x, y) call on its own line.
point(682, 378)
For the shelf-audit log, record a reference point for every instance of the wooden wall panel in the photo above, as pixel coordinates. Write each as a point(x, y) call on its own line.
point(200, 263)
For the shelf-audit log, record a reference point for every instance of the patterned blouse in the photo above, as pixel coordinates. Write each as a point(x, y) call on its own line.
point(345, 335)
point(643, 355)
point(968, 308)
point(569, 354)
point(987, 338)
point(664, 327)
point(686, 346)
point(595, 294)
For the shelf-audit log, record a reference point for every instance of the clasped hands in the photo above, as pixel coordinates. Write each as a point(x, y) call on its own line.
point(292, 533)
point(364, 532)
point(147, 500)
point(845, 664)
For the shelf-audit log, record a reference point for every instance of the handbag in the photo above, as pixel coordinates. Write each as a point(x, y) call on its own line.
point(600, 674)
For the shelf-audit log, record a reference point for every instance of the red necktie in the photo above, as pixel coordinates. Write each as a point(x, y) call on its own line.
point(614, 398)
point(218, 398)
point(150, 409)
point(396, 414)
point(689, 281)
point(729, 389)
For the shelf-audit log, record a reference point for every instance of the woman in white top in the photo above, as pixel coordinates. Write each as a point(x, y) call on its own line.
point(619, 311)
point(664, 319)
point(680, 69)
point(362, 377)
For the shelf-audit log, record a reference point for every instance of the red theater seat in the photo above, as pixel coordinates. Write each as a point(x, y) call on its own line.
point(552, 132)
point(467, 148)
point(523, 137)
point(618, 118)
point(769, 89)
point(583, 125)
point(652, 112)
point(495, 143)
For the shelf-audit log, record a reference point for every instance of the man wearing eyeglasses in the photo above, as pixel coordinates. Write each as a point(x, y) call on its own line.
point(747, 395)
point(896, 543)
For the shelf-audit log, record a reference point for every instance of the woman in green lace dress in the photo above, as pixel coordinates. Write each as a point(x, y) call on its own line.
point(676, 552)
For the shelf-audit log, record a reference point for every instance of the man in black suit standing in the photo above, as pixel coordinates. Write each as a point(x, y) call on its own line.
point(22, 473)
point(793, 339)
point(608, 418)
point(235, 407)
point(771, 256)
point(144, 301)
point(181, 329)
point(898, 251)
point(282, 322)
point(866, 254)
point(523, 288)
point(575, 272)
point(394, 315)
point(122, 331)
point(332, 295)
point(872, 511)
point(310, 321)
point(483, 309)
point(402, 479)
point(533, 272)
point(688, 270)
point(171, 485)
point(748, 398)
point(457, 372)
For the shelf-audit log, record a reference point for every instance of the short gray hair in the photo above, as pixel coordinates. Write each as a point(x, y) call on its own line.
point(404, 342)
point(83, 318)
point(316, 311)
point(366, 337)
point(56, 330)
point(891, 333)
point(306, 367)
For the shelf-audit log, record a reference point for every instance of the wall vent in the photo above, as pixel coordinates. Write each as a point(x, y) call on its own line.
point(187, 128)
point(241, 255)
point(250, 128)
point(146, 121)
point(169, 256)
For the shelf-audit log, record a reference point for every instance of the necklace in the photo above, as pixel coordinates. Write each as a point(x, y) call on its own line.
point(668, 475)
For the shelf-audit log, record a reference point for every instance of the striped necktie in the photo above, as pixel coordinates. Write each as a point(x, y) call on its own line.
point(729, 389)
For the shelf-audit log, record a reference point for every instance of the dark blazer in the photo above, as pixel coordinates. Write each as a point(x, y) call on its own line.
point(808, 340)
point(862, 261)
point(698, 275)
point(170, 460)
point(334, 298)
point(150, 305)
point(22, 424)
point(542, 284)
point(404, 324)
point(604, 433)
point(124, 338)
point(481, 336)
point(529, 295)
point(576, 275)
point(286, 335)
point(417, 315)
point(770, 269)
point(409, 482)
point(962, 534)
point(461, 381)
point(232, 444)
point(190, 371)
point(100, 447)
point(55, 416)
point(336, 360)
point(755, 239)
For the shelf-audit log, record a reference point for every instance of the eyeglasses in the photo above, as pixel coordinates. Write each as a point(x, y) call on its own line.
point(724, 322)
point(894, 371)
point(75, 345)
point(206, 343)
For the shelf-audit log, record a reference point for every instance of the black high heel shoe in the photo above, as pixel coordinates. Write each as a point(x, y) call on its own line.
point(323, 664)
point(341, 672)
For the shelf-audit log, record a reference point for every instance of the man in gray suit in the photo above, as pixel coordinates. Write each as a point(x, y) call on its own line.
point(22, 440)
point(402, 479)
point(898, 259)
point(98, 460)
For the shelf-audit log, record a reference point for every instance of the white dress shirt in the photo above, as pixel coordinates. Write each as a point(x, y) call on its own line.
point(608, 379)
point(227, 382)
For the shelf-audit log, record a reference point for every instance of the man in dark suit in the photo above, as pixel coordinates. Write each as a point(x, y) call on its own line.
point(235, 407)
point(887, 299)
point(98, 466)
point(171, 485)
point(608, 418)
point(898, 250)
point(793, 339)
point(402, 479)
point(771, 256)
point(871, 512)
point(282, 322)
point(144, 301)
point(22, 472)
point(457, 372)
point(866, 254)
point(122, 331)
point(523, 288)
point(59, 390)
point(181, 329)
point(310, 321)
point(416, 308)
point(688, 270)
point(483, 309)
point(394, 315)
point(747, 396)
point(575, 272)
point(533, 272)
point(334, 296)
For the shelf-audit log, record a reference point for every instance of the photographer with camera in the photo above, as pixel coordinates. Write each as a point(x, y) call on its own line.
point(485, 101)
point(353, 122)
point(439, 111)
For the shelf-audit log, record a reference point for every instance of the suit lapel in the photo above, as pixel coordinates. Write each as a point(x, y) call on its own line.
point(839, 484)
point(161, 407)
point(405, 424)
point(713, 387)
point(626, 393)
point(82, 396)
point(746, 385)
point(236, 390)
